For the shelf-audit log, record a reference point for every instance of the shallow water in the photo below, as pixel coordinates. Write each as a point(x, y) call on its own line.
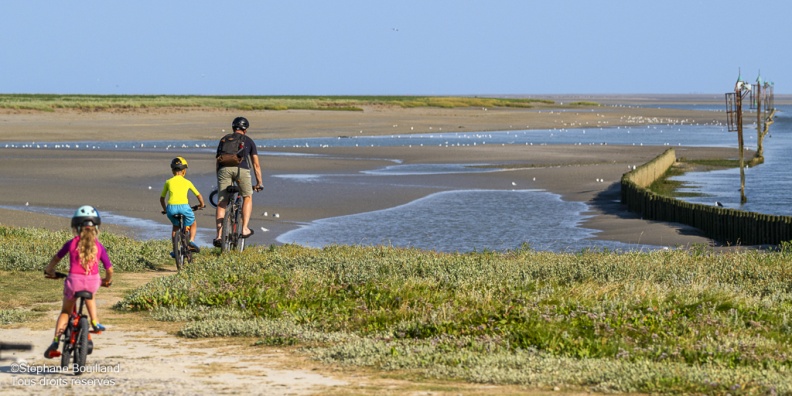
point(469, 220)
point(463, 221)
point(768, 186)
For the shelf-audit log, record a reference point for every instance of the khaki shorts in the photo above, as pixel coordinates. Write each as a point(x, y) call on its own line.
point(228, 174)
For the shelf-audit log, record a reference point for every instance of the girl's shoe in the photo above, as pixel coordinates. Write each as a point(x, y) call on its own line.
point(52, 351)
point(99, 327)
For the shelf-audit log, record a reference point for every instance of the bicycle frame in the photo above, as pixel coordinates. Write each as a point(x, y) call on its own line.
point(76, 338)
point(181, 241)
point(181, 244)
point(232, 230)
point(232, 221)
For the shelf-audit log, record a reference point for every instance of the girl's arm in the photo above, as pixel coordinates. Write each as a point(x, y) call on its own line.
point(50, 270)
point(108, 279)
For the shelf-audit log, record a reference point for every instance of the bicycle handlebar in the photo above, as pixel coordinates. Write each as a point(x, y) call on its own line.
point(195, 207)
point(57, 275)
point(231, 189)
point(61, 275)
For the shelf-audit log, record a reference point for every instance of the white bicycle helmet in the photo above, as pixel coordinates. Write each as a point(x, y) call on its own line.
point(86, 216)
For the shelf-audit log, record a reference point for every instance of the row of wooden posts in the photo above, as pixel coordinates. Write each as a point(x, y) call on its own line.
point(728, 226)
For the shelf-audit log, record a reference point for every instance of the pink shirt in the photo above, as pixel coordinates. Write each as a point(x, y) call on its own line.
point(75, 267)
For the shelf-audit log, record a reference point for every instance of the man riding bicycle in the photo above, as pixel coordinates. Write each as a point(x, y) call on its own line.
point(235, 155)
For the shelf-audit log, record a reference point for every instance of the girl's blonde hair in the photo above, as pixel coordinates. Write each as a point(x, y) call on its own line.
point(87, 247)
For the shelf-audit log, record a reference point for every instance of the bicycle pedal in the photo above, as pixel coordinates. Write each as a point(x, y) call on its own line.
point(95, 331)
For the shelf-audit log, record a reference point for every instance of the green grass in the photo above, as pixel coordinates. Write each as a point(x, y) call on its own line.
point(337, 103)
point(30, 249)
point(700, 321)
point(686, 321)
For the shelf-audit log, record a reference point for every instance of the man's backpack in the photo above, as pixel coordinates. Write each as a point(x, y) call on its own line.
point(231, 147)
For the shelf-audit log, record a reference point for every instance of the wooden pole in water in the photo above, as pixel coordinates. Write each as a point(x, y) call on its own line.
point(740, 143)
point(759, 128)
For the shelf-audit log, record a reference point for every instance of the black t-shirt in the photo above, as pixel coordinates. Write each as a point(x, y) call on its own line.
point(250, 150)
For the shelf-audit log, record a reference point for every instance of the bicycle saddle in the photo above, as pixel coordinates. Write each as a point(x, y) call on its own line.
point(232, 189)
point(84, 294)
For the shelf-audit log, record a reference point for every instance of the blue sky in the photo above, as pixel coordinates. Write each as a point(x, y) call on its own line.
point(402, 47)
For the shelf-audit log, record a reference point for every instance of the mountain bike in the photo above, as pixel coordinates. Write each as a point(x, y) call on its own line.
point(231, 236)
point(76, 339)
point(181, 242)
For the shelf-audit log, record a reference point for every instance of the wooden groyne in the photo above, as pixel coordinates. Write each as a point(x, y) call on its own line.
point(729, 226)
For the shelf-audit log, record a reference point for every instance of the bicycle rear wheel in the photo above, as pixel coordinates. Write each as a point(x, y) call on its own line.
point(185, 246)
point(240, 242)
point(177, 251)
point(81, 346)
point(66, 351)
point(229, 229)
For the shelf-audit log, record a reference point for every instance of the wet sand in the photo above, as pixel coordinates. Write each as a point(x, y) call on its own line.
point(119, 181)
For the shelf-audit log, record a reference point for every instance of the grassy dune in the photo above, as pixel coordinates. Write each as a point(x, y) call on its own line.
point(344, 103)
point(693, 321)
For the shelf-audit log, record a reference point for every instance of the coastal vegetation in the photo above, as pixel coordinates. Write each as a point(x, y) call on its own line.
point(337, 103)
point(665, 321)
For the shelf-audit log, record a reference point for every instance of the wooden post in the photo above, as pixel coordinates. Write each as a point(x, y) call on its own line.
point(759, 127)
point(741, 144)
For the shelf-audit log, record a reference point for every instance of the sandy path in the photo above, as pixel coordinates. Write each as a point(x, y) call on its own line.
point(141, 356)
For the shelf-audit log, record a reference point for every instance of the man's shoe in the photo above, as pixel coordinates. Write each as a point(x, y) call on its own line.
point(52, 351)
point(217, 242)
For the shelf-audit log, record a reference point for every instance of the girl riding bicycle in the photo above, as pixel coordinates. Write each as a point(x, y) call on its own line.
point(85, 252)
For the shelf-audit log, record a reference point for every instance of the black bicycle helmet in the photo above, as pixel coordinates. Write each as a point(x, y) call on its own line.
point(86, 216)
point(179, 163)
point(240, 123)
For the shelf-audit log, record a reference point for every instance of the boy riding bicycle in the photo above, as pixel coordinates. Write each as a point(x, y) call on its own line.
point(176, 189)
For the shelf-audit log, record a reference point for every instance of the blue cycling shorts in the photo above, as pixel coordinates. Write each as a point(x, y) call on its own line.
point(184, 210)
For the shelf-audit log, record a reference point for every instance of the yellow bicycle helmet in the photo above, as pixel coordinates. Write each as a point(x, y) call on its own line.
point(179, 163)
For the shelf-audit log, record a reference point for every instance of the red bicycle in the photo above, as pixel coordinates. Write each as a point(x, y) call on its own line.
point(76, 339)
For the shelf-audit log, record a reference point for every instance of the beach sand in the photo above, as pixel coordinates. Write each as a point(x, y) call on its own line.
point(129, 182)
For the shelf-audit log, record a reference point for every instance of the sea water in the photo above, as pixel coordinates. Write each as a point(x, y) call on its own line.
point(463, 221)
point(768, 186)
point(467, 220)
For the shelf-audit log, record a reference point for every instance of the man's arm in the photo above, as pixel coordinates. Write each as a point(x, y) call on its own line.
point(257, 170)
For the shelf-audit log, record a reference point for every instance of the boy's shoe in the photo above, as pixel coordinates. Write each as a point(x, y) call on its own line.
point(98, 327)
point(194, 247)
point(52, 351)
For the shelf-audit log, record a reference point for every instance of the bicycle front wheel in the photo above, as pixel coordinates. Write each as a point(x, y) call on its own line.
point(81, 346)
